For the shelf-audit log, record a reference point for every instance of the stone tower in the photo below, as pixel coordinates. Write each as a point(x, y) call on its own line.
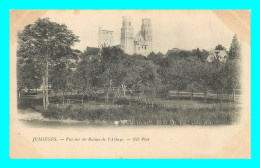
point(105, 38)
point(127, 35)
point(143, 40)
point(146, 29)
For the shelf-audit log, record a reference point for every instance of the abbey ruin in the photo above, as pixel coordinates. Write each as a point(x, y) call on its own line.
point(130, 44)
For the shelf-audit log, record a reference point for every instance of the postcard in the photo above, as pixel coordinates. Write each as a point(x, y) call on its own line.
point(130, 84)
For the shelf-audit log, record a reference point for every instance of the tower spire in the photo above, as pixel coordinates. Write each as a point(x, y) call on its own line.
point(127, 35)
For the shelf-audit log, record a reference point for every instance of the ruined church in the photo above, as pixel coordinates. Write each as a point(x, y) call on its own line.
point(130, 44)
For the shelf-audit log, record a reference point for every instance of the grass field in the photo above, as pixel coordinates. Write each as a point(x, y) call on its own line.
point(163, 112)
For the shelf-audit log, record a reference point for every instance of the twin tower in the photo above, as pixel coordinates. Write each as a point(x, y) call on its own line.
point(142, 42)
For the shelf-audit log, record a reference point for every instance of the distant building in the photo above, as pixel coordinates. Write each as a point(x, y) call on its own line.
point(142, 43)
point(143, 39)
point(105, 38)
point(127, 35)
point(221, 55)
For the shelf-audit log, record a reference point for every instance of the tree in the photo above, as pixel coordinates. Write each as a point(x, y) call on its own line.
point(81, 78)
point(232, 67)
point(46, 43)
point(88, 77)
point(111, 60)
point(202, 54)
point(60, 78)
point(217, 76)
point(205, 79)
point(155, 58)
point(220, 47)
point(235, 49)
point(28, 76)
point(175, 69)
point(194, 70)
point(150, 81)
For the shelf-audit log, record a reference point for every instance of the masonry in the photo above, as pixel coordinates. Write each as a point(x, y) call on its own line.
point(130, 44)
point(142, 43)
point(105, 38)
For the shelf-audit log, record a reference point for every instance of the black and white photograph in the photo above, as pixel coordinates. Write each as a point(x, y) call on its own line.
point(136, 83)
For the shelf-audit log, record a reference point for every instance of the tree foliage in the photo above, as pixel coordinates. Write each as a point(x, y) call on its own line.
point(46, 44)
point(46, 57)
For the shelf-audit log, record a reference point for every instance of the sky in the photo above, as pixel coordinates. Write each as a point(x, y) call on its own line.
point(171, 28)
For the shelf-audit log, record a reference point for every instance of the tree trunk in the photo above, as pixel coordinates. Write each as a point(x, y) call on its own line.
point(82, 99)
point(132, 97)
point(123, 87)
point(234, 95)
point(19, 94)
point(191, 94)
point(108, 91)
point(107, 96)
point(63, 97)
point(47, 85)
point(43, 93)
point(205, 95)
point(221, 96)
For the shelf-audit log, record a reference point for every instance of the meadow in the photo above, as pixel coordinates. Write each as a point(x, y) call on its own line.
point(123, 111)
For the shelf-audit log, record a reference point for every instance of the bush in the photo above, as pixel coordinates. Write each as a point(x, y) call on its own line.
point(144, 115)
point(122, 101)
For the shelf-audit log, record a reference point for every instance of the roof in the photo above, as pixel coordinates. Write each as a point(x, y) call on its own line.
point(107, 31)
point(139, 37)
point(221, 53)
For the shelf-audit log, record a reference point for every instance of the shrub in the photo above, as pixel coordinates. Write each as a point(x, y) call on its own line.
point(145, 115)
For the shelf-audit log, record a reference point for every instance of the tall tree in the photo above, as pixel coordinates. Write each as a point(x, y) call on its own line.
point(151, 82)
point(194, 69)
point(202, 54)
point(235, 49)
point(155, 58)
point(111, 60)
point(175, 69)
point(60, 78)
point(232, 67)
point(28, 76)
point(46, 43)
